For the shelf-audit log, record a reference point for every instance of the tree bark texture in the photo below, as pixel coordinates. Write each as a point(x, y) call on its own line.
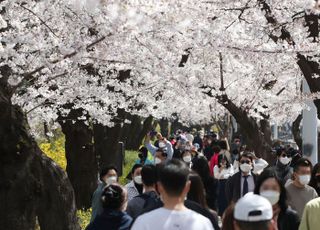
point(31, 184)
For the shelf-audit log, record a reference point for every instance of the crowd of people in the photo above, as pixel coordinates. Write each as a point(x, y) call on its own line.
point(196, 181)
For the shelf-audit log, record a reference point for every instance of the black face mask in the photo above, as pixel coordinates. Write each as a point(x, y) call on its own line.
point(318, 178)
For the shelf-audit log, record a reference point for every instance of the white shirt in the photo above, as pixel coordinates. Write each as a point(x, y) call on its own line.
point(251, 184)
point(165, 219)
point(224, 174)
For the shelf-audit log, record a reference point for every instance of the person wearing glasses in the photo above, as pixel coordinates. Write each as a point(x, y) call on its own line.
point(282, 169)
point(243, 181)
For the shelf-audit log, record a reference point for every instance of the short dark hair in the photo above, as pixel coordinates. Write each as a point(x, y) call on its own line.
point(173, 176)
point(313, 182)
point(136, 166)
point(149, 175)
point(247, 155)
point(303, 162)
point(270, 173)
point(261, 225)
point(223, 144)
point(113, 196)
point(105, 170)
point(216, 148)
point(162, 151)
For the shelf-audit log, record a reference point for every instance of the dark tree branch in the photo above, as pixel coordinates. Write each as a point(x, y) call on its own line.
point(43, 22)
point(222, 88)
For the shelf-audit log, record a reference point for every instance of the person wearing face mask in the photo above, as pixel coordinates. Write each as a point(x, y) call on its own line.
point(163, 143)
point(235, 149)
point(135, 187)
point(108, 175)
point(299, 192)
point(187, 158)
point(149, 197)
point(315, 178)
point(243, 181)
point(160, 156)
point(222, 171)
point(282, 168)
point(271, 188)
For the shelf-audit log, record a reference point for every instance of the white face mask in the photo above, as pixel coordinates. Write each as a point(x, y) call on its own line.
point(285, 160)
point(162, 145)
point(245, 167)
point(187, 159)
point(304, 179)
point(271, 195)
point(157, 160)
point(111, 180)
point(138, 179)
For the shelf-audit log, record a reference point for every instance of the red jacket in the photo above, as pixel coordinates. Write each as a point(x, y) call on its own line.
point(213, 162)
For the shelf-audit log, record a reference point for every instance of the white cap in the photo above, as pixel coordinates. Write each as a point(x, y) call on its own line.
point(253, 208)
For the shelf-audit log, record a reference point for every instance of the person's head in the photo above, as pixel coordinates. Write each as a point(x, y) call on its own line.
point(216, 149)
point(149, 175)
point(160, 156)
point(182, 143)
point(302, 172)
point(188, 146)
point(114, 197)
point(223, 144)
point(200, 166)
point(186, 156)
point(136, 173)
point(253, 212)
point(109, 174)
point(270, 187)
point(227, 218)
point(283, 156)
point(173, 179)
point(315, 176)
point(237, 141)
point(246, 162)
point(143, 153)
point(223, 161)
point(197, 191)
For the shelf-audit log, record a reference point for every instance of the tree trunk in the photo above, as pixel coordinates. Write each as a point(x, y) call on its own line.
point(31, 184)
point(309, 69)
point(296, 132)
point(130, 134)
point(106, 140)
point(164, 127)
point(258, 140)
point(82, 166)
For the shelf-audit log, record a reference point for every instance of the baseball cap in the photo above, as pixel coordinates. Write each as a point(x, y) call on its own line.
point(253, 208)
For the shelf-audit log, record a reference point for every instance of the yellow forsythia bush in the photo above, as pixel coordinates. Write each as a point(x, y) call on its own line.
point(55, 150)
point(84, 217)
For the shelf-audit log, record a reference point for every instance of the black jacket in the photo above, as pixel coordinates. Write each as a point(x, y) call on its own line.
point(288, 220)
point(111, 220)
point(233, 187)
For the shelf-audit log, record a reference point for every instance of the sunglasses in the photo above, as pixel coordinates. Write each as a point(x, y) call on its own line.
point(245, 162)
